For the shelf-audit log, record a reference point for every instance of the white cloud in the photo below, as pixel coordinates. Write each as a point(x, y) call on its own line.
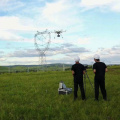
point(109, 55)
point(113, 5)
point(85, 40)
point(10, 5)
point(61, 13)
point(95, 3)
point(12, 36)
point(16, 23)
point(109, 51)
point(116, 6)
point(12, 28)
point(22, 61)
point(5, 35)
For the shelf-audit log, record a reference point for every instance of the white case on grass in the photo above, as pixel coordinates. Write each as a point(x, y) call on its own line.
point(63, 89)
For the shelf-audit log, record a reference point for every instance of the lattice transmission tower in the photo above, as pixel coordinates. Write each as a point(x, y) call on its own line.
point(42, 41)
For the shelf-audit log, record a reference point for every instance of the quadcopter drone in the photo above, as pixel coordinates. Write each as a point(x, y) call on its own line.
point(59, 32)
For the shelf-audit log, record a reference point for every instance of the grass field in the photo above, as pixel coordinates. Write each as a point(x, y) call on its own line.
point(34, 96)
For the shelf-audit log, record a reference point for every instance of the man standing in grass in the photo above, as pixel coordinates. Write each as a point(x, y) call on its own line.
point(99, 68)
point(77, 71)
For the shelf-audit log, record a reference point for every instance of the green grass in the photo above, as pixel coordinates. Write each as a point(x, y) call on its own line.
point(34, 96)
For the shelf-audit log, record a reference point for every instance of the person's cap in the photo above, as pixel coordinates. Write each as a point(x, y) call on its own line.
point(77, 59)
point(96, 56)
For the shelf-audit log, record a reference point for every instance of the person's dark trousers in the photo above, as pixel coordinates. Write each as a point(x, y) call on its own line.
point(81, 88)
point(100, 83)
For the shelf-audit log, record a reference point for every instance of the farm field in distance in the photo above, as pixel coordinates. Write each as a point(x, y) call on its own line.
point(34, 96)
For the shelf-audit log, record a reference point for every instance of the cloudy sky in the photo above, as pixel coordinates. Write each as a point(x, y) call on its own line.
point(91, 27)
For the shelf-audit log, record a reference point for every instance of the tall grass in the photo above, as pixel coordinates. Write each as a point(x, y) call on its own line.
point(34, 96)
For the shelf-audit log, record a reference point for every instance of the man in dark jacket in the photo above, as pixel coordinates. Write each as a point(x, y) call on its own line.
point(77, 71)
point(99, 68)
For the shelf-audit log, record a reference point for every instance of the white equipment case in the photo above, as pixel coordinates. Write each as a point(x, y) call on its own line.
point(63, 89)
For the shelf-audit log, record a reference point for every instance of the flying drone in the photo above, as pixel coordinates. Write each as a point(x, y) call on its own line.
point(59, 32)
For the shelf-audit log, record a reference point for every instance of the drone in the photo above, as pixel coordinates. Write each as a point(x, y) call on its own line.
point(58, 32)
